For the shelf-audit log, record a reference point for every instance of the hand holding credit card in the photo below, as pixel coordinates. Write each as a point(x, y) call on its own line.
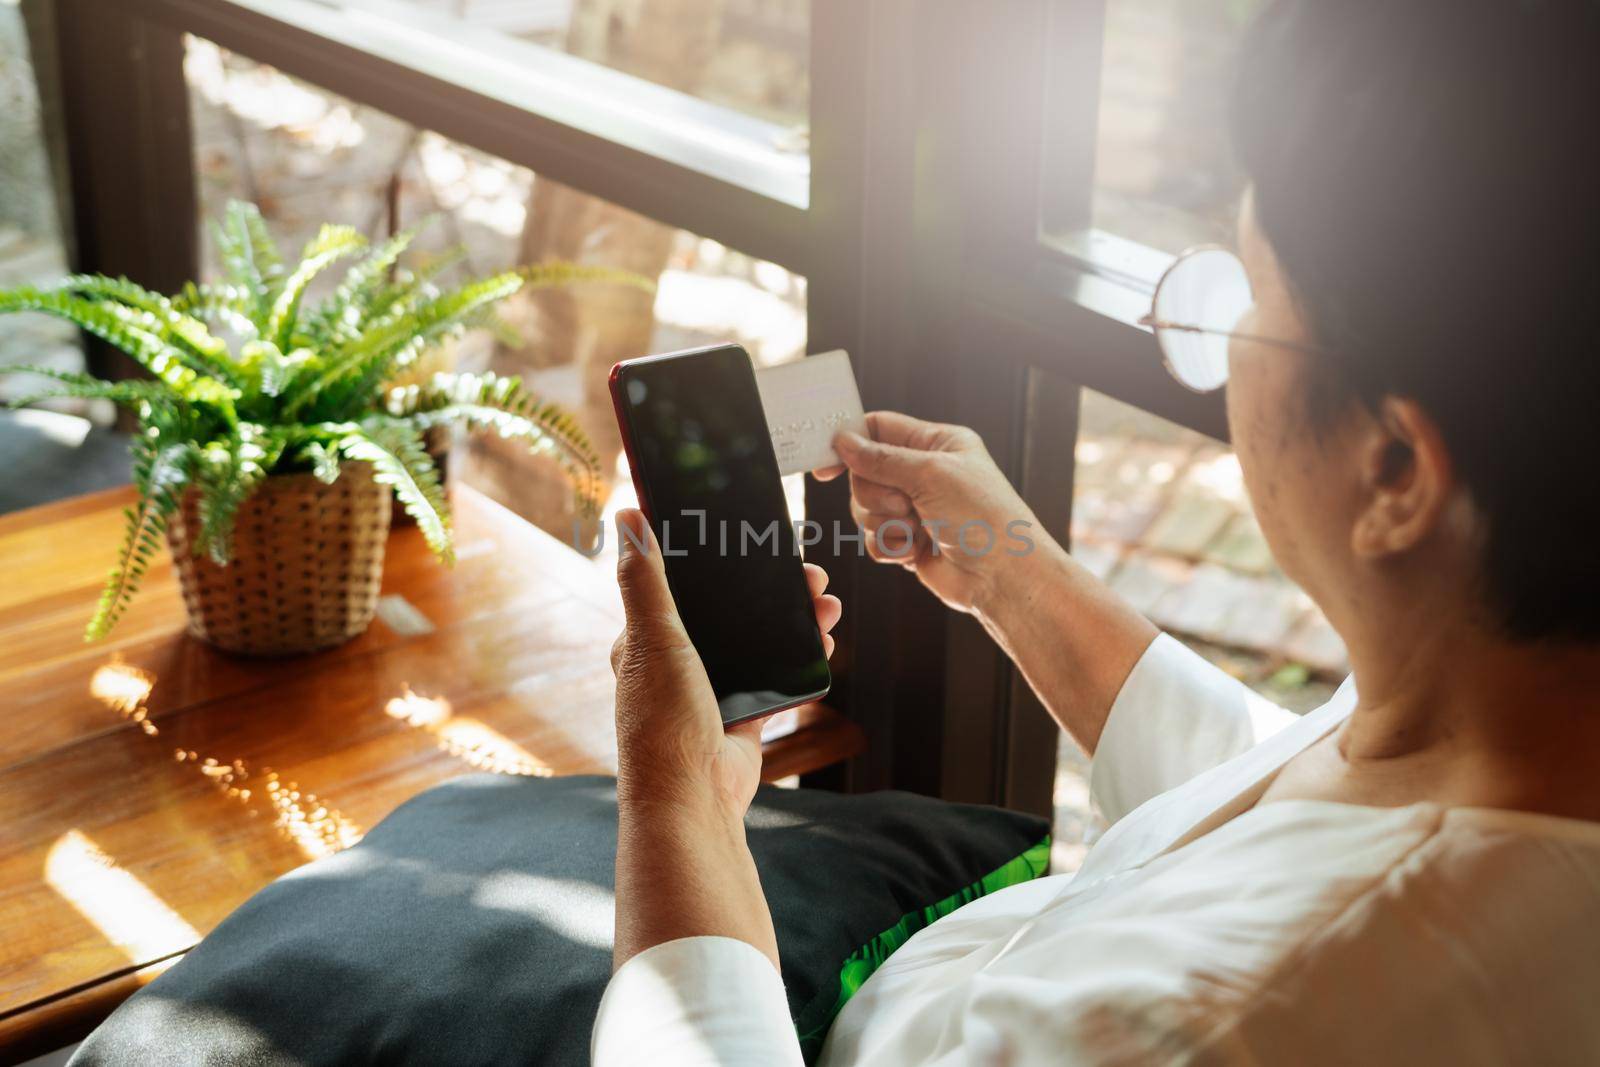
point(807, 403)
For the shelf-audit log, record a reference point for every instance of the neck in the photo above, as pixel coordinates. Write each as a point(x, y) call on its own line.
point(1459, 691)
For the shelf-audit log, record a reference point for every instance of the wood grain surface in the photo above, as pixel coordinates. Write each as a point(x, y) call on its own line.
point(149, 784)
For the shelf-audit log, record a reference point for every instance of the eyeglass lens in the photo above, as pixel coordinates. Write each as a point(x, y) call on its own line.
point(1208, 290)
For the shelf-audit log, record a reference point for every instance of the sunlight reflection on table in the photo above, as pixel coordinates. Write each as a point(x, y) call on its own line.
point(114, 901)
point(469, 740)
point(316, 828)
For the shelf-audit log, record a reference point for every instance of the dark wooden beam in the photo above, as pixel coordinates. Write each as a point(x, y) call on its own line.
point(124, 116)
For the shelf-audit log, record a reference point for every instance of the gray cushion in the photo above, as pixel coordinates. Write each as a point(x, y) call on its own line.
point(474, 926)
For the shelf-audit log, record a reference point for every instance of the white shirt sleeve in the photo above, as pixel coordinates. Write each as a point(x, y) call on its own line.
point(695, 1002)
point(1176, 716)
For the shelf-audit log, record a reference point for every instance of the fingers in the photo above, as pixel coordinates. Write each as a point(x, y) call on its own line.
point(874, 506)
point(889, 465)
point(829, 611)
point(893, 544)
point(816, 579)
point(880, 499)
point(889, 539)
point(748, 732)
point(828, 474)
point(895, 529)
point(646, 598)
point(894, 428)
point(899, 450)
point(829, 608)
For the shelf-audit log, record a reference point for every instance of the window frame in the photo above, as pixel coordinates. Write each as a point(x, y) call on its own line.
point(688, 163)
point(925, 258)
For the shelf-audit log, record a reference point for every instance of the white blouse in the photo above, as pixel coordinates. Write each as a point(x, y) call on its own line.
point(1201, 929)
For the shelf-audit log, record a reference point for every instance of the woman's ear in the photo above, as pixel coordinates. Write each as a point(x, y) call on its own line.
point(1407, 479)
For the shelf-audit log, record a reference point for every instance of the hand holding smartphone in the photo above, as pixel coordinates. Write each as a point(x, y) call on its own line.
point(708, 482)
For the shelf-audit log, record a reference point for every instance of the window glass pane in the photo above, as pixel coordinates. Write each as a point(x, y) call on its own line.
point(1159, 513)
point(1164, 176)
point(750, 55)
point(307, 156)
point(31, 250)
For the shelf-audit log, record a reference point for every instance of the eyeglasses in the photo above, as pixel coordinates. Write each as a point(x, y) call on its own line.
point(1197, 305)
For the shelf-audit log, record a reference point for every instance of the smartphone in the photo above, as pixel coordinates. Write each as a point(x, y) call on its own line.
point(702, 460)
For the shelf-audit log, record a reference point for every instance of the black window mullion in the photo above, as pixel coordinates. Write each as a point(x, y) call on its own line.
point(861, 297)
point(118, 101)
point(926, 157)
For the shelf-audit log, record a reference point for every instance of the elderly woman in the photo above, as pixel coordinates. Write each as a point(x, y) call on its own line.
point(1410, 874)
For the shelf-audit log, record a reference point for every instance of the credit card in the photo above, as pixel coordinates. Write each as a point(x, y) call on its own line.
point(808, 401)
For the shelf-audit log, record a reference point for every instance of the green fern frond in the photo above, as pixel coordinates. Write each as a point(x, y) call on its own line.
point(388, 301)
point(270, 370)
point(561, 272)
point(500, 405)
point(129, 393)
point(209, 354)
point(229, 471)
point(135, 332)
point(405, 338)
point(330, 244)
point(418, 280)
point(160, 475)
point(400, 460)
point(323, 460)
point(178, 323)
point(502, 331)
point(360, 368)
point(133, 560)
point(408, 290)
point(126, 329)
point(341, 316)
point(224, 303)
point(251, 259)
point(222, 491)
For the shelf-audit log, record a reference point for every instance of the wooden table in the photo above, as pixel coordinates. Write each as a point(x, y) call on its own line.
point(149, 784)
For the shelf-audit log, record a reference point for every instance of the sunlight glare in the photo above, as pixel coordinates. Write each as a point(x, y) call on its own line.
point(586, 915)
point(123, 688)
point(1222, 476)
point(114, 901)
point(303, 819)
point(317, 829)
point(469, 740)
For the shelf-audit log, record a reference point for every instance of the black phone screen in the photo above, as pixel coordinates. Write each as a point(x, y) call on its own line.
point(708, 481)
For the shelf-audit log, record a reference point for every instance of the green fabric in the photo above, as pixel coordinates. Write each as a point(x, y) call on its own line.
point(858, 967)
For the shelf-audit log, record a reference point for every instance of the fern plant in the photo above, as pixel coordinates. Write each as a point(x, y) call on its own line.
point(246, 382)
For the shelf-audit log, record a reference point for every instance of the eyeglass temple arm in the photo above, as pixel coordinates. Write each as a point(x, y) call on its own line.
point(1152, 323)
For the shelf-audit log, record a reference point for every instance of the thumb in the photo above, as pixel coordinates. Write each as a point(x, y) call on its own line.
point(646, 598)
point(665, 703)
point(892, 465)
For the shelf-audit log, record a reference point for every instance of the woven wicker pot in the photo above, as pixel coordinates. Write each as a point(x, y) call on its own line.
point(307, 563)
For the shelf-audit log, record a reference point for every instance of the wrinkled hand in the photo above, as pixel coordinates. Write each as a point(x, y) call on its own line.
point(934, 479)
point(670, 739)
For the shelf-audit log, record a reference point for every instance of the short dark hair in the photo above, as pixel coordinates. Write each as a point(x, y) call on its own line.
point(1426, 173)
